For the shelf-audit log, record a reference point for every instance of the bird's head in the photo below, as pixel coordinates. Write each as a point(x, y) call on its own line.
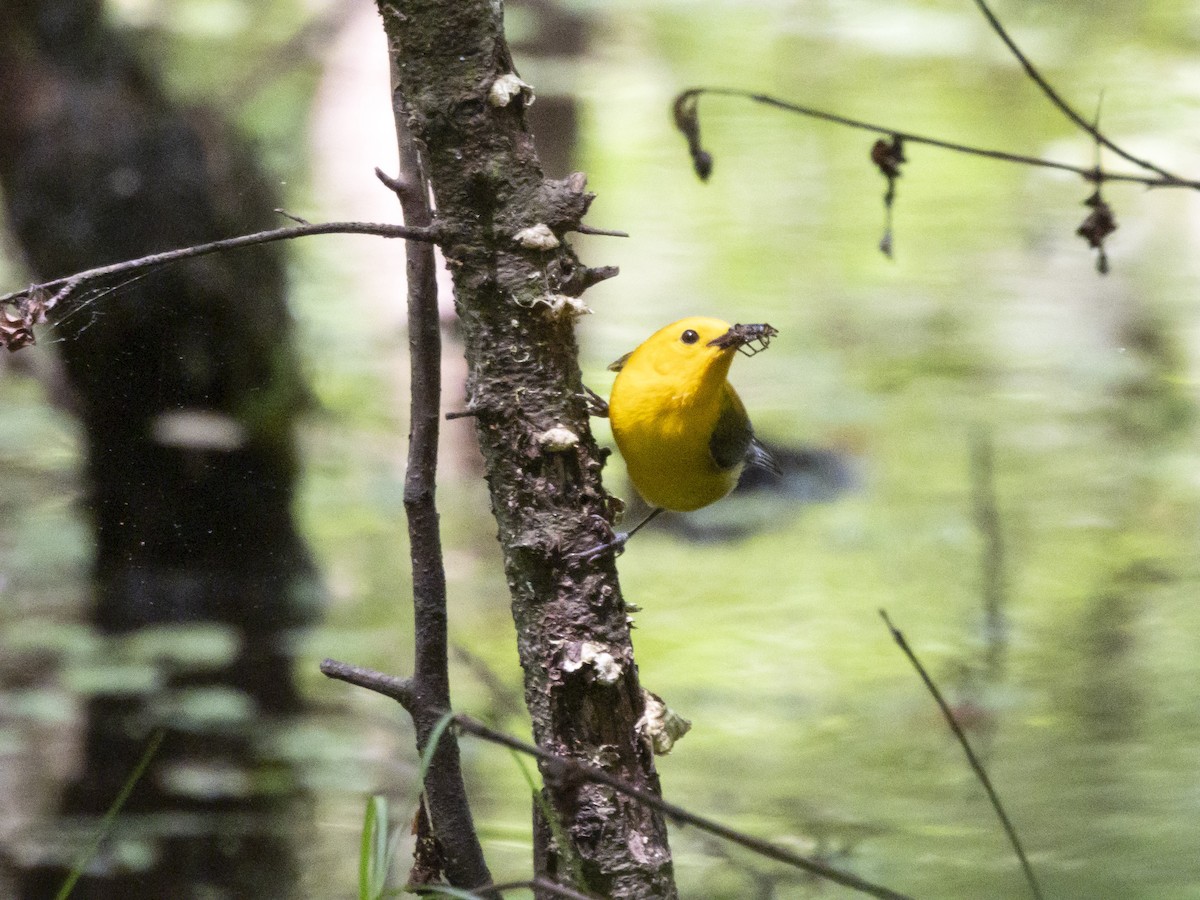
point(698, 346)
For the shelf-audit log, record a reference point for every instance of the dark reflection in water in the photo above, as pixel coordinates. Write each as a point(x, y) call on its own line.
point(186, 387)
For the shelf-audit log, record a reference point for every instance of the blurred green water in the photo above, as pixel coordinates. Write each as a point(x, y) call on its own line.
point(809, 725)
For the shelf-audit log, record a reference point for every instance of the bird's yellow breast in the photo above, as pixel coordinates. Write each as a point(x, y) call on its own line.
point(665, 404)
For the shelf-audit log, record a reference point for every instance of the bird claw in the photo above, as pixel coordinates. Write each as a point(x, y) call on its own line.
point(617, 545)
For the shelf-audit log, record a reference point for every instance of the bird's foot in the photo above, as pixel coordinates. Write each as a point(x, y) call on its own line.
point(617, 544)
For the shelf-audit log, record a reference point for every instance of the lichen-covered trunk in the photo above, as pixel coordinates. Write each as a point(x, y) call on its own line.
point(514, 286)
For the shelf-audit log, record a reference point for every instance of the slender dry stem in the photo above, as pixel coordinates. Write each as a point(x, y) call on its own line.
point(1054, 97)
point(566, 772)
point(65, 286)
point(1093, 175)
point(972, 759)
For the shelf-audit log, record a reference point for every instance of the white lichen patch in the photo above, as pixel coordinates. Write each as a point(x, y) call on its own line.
point(660, 726)
point(507, 87)
point(607, 669)
point(537, 237)
point(560, 306)
point(558, 439)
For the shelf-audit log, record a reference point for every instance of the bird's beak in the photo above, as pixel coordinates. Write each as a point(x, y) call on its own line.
point(746, 339)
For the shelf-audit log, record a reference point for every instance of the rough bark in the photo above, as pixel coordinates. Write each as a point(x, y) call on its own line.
point(542, 464)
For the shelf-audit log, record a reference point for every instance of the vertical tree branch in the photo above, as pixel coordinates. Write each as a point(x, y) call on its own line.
point(514, 276)
point(445, 793)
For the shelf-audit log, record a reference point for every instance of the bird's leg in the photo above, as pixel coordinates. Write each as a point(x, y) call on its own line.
point(617, 544)
point(654, 513)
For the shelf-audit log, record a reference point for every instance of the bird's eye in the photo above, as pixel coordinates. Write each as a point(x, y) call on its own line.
point(689, 337)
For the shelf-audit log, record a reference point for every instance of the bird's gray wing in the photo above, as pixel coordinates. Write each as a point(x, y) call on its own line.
point(732, 437)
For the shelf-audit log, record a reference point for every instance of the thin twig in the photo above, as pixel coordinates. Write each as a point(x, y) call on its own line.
point(972, 759)
point(299, 220)
point(553, 887)
point(1054, 97)
point(566, 771)
point(1088, 174)
point(445, 790)
point(398, 689)
point(602, 232)
point(67, 285)
point(505, 700)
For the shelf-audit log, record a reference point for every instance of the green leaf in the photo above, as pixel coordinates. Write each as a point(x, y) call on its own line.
point(374, 857)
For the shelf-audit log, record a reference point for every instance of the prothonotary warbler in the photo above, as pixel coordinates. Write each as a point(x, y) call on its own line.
point(679, 424)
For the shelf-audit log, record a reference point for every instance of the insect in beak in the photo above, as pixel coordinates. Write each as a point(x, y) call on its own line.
point(747, 339)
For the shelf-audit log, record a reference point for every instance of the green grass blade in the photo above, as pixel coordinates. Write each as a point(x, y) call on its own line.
point(382, 855)
point(435, 738)
point(110, 816)
point(373, 856)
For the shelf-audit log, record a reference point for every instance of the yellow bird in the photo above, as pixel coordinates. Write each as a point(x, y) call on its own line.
point(680, 426)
